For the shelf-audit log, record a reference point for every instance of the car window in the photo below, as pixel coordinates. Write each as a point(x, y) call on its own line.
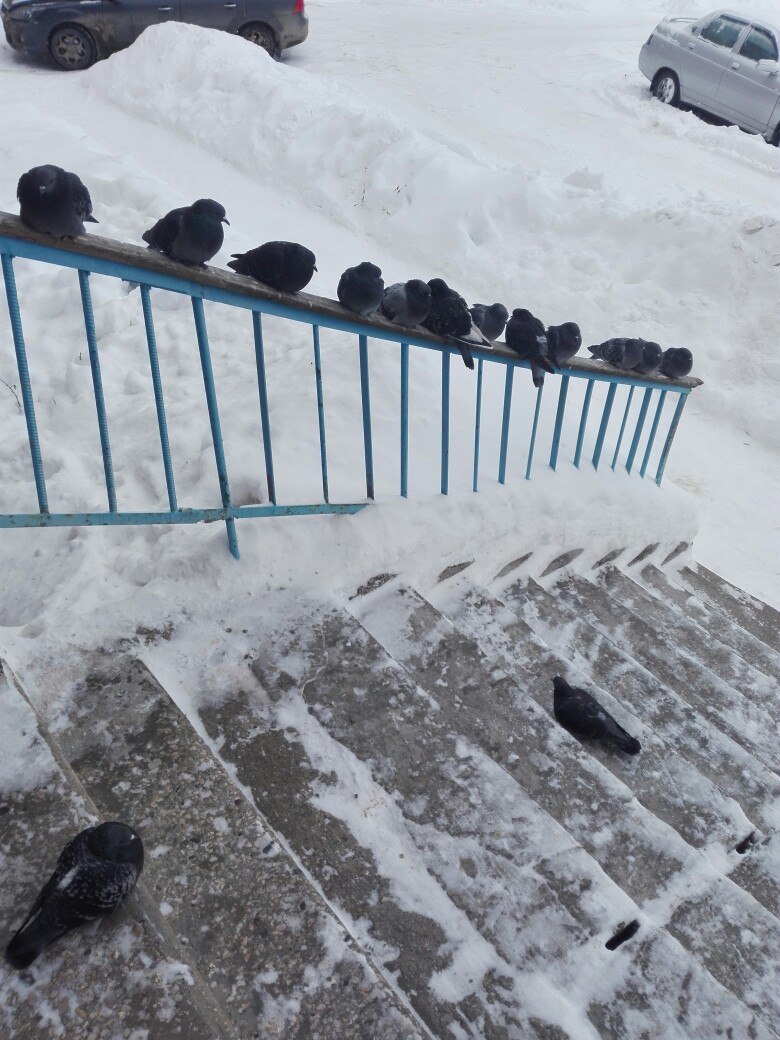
point(724, 31)
point(759, 44)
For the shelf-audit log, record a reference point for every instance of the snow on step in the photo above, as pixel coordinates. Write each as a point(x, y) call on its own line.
point(272, 954)
point(749, 613)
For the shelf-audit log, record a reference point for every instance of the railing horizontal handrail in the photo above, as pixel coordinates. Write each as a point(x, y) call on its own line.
point(135, 264)
point(178, 516)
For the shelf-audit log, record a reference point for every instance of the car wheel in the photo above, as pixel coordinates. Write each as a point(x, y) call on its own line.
point(72, 48)
point(263, 37)
point(666, 88)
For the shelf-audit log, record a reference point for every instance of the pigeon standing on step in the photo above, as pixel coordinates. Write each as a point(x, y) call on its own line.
point(95, 872)
point(361, 289)
point(451, 319)
point(490, 319)
point(565, 340)
point(286, 266)
point(407, 303)
point(192, 234)
point(676, 362)
point(526, 336)
point(54, 202)
point(582, 715)
point(619, 352)
point(651, 358)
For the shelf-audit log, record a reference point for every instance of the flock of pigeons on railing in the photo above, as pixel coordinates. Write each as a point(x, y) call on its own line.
point(56, 202)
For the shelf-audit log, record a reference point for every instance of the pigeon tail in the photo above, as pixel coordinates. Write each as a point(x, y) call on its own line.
point(91, 220)
point(624, 740)
point(31, 940)
point(538, 367)
point(595, 351)
point(465, 353)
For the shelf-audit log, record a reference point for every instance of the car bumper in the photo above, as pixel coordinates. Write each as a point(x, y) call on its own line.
point(293, 31)
point(24, 34)
point(648, 64)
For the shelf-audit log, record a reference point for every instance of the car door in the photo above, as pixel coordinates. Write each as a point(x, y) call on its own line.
point(709, 53)
point(749, 94)
point(127, 19)
point(215, 14)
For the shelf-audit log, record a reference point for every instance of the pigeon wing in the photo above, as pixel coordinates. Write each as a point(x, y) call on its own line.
point(82, 203)
point(164, 233)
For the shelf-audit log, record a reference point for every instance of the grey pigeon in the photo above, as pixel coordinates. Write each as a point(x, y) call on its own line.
point(651, 358)
point(565, 340)
point(54, 202)
point(95, 872)
point(407, 303)
point(525, 335)
point(619, 352)
point(581, 714)
point(450, 318)
point(285, 266)
point(361, 289)
point(490, 319)
point(676, 362)
point(191, 234)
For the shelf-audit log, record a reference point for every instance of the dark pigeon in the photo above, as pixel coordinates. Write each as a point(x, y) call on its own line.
point(451, 319)
point(95, 872)
point(676, 362)
point(490, 319)
point(407, 303)
point(361, 289)
point(565, 340)
point(582, 715)
point(192, 234)
point(526, 336)
point(54, 202)
point(620, 352)
point(651, 358)
point(285, 266)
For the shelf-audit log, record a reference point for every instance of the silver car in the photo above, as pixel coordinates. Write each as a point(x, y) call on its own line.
point(724, 63)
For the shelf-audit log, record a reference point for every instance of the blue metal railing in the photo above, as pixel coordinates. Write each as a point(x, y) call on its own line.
point(98, 256)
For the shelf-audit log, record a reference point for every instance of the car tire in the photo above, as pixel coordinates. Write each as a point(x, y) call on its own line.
point(263, 37)
point(666, 88)
point(72, 48)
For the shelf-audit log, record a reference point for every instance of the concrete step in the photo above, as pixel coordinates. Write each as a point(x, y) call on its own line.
point(273, 955)
point(759, 870)
point(746, 611)
point(644, 856)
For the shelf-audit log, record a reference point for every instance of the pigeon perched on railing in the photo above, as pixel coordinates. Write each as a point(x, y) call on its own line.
point(95, 872)
point(582, 715)
point(676, 362)
point(451, 319)
point(286, 266)
point(526, 336)
point(191, 234)
point(407, 303)
point(490, 319)
point(619, 352)
point(651, 358)
point(565, 340)
point(361, 289)
point(54, 202)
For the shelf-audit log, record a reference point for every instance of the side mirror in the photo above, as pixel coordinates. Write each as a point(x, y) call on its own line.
point(768, 65)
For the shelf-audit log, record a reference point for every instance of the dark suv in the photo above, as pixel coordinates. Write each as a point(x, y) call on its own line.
point(77, 33)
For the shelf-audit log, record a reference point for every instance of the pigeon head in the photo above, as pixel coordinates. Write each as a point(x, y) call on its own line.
point(210, 209)
point(438, 287)
point(499, 312)
point(652, 352)
point(418, 291)
point(46, 178)
point(368, 270)
point(559, 684)
point(572, 330)
point(117, 842)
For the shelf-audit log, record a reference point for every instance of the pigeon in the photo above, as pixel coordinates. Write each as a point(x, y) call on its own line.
point(526, 336)
point(361, 289)
point(54, 202)
point(676, 362)
point(490, 319)
point(192, 234)
point(582, 715)
point(450, 318)
point(95, 871)
point(285, 266)
point(565, 340)
point(407, 303)
point(651, 358)
point(620, 353)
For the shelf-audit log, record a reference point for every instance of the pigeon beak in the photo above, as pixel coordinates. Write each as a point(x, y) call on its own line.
point(226, 221)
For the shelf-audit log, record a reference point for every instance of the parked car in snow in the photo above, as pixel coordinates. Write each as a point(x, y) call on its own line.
point(724, 63)
point(76, 33)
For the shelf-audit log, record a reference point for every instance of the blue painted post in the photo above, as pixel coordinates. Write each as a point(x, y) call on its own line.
point(623, 426)
point(510, 375)
point(653, 431)
point(154, 362)
point(216, 427)
point(445, 421)
point(533, 432)
point(365, 395)
point(640, 422)
point(404, 420)
point(681, 399)
point(556, 442)
point(257, 326)
point(24, 381)
point(604, 424)
point(320, 411)
point(477, 425)
point(583, 423)
point(97, 383)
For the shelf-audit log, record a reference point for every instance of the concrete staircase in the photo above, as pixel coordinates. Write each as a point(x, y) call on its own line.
point(375, 828)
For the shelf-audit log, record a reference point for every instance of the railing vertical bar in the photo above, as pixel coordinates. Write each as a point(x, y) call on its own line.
point(262, 387)
point(320, 411)
point(365, 394)
point(97, 384)
point(510, 375)
point(159, 401)
point(640, 422)
point(559, 414)
point(532, 445)
point(583, 422)
point(623, 426)
point(477, 424)
point(404, 420)
point(445, 421)
point(604, 424)
point(20, 349)
point(216, 427)
point(681, 399)
point(653, 431)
